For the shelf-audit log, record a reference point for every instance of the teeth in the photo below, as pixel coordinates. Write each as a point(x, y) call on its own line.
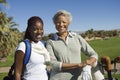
point(38, 36)
point(61, 28)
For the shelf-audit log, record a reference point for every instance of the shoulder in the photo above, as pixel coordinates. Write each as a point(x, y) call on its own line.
point(49, 42)
point(21, 46)
point(74, 34)
point(52, 37)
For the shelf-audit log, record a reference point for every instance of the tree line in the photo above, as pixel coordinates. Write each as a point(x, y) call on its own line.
point(101, 33)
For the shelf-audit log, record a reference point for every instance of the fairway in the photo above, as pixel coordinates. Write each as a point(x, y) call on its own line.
point(109, 47)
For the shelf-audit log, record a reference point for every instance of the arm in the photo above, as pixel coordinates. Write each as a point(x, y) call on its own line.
point(66, 66)
point(53, 63)
point(91, 61)
point(19, 56)
point(89, 51)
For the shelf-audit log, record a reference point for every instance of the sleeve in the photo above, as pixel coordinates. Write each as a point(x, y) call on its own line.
point(86, 48)
point(56, 65)
point(21, 47)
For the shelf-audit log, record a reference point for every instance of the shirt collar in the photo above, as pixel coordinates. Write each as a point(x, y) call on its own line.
point(70, 34)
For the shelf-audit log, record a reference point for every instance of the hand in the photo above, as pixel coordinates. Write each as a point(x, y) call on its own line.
point(82, 64)
point(91, 61)
point(88, 62)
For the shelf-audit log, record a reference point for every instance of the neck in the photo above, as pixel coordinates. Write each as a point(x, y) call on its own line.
point(63, 34)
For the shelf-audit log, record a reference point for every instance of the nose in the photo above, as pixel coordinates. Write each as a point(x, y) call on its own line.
point(61, 24)
point(39, 31)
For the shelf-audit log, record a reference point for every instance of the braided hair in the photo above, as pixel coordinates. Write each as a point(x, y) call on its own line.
point(31, 22)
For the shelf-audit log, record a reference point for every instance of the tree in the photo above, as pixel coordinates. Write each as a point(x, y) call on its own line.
point(11, 23)
point(4, 3)
point(90, 33)
point(9, 36)
point(3, 19)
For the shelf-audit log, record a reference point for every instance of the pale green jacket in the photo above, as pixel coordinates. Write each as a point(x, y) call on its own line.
point(67, 52)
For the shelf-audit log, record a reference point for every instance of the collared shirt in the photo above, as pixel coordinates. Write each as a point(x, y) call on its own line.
point(68, 51)
point(35, 68)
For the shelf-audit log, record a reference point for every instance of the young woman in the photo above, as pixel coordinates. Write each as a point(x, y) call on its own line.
point(35, 69)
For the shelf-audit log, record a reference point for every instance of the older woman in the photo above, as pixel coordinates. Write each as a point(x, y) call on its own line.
point(65, 50)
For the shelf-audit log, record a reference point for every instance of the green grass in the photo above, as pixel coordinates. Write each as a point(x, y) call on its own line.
point(110, 47)
point(114, 76)
point(2, 75)
point(8, 62)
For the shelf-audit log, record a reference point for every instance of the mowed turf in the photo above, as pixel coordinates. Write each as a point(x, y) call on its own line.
point(106, 47)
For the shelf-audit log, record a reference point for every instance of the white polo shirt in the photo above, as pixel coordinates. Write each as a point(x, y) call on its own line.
point(35, 68)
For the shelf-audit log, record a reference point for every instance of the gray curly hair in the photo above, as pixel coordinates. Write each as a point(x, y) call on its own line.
point(62, 12)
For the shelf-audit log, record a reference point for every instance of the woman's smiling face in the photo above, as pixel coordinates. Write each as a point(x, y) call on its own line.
point(36, 31)
point(62, 23)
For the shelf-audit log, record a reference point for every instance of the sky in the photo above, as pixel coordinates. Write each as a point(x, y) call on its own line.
point(87, 14)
